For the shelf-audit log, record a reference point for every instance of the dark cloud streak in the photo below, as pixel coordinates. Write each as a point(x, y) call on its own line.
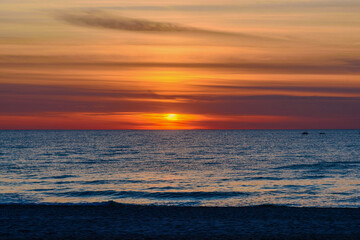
point(103, 20)
point(309, 89)
point(345, 66)
point(29, 99)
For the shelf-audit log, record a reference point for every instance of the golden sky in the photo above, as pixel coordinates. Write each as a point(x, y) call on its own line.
point(179, 64)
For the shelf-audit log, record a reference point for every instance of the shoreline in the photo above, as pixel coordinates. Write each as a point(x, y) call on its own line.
point(122, 221)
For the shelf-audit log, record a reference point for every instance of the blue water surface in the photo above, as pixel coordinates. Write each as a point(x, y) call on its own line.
point(191, 167)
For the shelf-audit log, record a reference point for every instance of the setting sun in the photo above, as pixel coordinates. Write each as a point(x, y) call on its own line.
point(171, 117)
point(169, 121)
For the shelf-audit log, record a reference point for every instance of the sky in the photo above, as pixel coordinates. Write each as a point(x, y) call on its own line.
point(179, 64)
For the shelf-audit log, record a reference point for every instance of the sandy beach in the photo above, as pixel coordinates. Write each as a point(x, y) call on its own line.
point(115, 221)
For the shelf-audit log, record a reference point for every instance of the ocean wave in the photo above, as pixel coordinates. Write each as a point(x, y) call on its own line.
point(190, 205)
point(152, 195)
point(17, 198)
point(320, 165)
point(59, 176)
point(264, 178)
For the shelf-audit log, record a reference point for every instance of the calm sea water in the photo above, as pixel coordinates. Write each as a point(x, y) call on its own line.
point(209, 168)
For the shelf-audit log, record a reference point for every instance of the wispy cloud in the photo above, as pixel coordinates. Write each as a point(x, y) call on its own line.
point(29, 98)
point(100, 19)
point(308, 89)
point(342, 66)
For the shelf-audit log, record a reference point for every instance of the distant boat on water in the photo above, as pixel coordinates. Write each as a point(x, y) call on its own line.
point(305, 133)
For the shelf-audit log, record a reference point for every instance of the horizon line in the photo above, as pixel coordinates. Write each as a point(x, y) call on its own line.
point(198, 129)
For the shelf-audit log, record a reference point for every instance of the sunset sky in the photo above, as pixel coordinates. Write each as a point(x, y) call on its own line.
point(179, 64)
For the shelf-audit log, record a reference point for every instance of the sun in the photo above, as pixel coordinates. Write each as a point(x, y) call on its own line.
point(171, 117)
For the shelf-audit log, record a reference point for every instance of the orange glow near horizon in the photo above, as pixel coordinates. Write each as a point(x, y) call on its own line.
point(160, 121)
point(170, 121)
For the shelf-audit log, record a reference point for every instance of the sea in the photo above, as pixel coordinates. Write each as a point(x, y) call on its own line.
point(181, 168)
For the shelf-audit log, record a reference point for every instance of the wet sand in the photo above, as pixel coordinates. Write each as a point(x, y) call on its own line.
point(116, 221)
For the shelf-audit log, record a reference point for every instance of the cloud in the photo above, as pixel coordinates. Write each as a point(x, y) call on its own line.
point(104, 20)
point(28, 99)
point(342, 66)
point(308, 89)
point(75, 91)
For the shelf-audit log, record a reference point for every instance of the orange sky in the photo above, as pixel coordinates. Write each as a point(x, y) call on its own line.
point(92, 64)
